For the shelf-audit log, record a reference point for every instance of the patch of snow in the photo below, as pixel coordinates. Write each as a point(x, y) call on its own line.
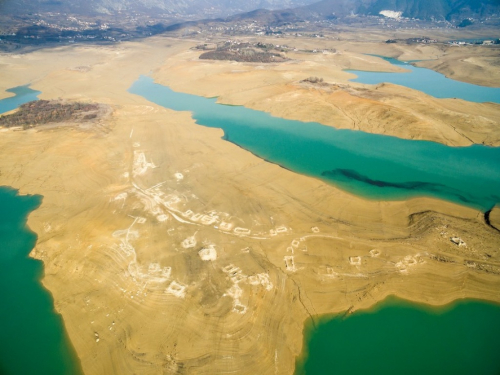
point(391, 14)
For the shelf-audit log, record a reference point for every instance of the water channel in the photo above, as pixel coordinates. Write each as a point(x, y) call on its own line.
point(430, 82)
point(370, 165)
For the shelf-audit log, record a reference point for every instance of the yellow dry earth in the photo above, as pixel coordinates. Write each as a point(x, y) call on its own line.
point(169, 250)
point(382, 109)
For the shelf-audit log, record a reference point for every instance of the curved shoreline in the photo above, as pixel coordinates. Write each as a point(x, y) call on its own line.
point(329, 325)
point(29, 318)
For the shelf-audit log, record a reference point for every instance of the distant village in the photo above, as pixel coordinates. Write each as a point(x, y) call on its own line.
point(38, 29)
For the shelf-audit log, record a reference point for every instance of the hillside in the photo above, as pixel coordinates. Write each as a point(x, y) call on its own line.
point(194, 8)
point(450, 10)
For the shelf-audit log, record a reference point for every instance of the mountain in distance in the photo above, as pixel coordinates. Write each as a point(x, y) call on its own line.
point(37, 22)
point(193, 8)
point(450, 10)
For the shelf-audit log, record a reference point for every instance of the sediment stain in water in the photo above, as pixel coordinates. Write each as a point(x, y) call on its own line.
point(399, 337)
point(464, 175)
point(32, 335)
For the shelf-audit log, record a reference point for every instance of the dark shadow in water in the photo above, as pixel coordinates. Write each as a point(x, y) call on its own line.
point(349, 174)
point(410, 185)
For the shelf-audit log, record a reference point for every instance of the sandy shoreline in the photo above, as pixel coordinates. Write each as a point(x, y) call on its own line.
point(134, 209)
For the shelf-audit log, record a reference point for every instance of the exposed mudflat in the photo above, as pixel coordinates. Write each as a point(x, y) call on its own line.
point(169, 250)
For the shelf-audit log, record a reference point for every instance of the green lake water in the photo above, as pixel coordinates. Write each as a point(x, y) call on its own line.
point(399, 337)
point(430, 82)
point(370, 165)
point(32, 335)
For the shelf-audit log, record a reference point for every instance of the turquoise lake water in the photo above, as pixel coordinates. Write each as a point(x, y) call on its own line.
point(430, 82)
point(370, 165)
point(32, 334)
point(399, 337)
point(22, 94)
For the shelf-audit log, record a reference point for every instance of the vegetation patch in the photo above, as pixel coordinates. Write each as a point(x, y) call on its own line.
point(42, 112)
point(245, 52)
